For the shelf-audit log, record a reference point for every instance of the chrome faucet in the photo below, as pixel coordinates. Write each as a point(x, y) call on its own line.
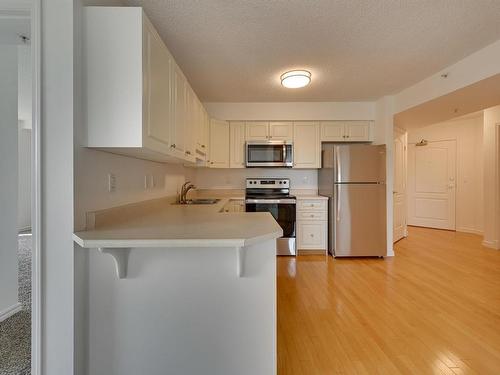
point(184, 190)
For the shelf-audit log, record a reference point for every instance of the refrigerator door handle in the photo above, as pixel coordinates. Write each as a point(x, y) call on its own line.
point(337, 197)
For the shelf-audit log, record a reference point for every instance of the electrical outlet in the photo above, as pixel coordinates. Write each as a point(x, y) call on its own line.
point(111, 183)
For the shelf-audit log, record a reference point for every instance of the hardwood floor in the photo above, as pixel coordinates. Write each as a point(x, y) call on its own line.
point(434, 308)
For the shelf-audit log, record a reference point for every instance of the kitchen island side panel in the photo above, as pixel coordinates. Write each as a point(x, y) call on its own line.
point(184, 311)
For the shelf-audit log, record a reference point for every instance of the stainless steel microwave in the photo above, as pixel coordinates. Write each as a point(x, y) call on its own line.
point(269, 154)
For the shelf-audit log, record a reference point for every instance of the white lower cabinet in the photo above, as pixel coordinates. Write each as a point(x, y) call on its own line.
point(311, 235)
point(312, 224)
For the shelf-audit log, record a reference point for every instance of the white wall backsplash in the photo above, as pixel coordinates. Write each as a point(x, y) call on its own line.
point(91, 181)
point(235, 178)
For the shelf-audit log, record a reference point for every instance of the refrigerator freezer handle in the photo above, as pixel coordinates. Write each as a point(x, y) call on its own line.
point(337, 164)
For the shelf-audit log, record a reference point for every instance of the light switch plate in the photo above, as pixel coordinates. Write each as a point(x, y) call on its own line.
point(111, 183)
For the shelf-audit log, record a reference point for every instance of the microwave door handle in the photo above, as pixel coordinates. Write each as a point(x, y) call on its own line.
point(284, 153)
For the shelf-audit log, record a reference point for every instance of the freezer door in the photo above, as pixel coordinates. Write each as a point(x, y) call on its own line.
point(359, 220)
point(359, 163)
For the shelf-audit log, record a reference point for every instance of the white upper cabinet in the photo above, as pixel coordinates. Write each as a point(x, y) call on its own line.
point(237, 144)
point(138, 102)
point(306, 145)
point(158, 84)
point(358, 131)
point(190, 126)
point(346, 131)
point(219, 144)
point(281, 131)
point(177, 130)
point(257, 131)
point(269, 131)
point(332, 131)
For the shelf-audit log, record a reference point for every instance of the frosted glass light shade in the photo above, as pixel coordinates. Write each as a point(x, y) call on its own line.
point(295, 79)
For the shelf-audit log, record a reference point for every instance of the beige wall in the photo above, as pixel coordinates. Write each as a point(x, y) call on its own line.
point(468, 134)
point(491, 177)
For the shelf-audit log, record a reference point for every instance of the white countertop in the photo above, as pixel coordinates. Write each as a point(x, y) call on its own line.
point(167, 225)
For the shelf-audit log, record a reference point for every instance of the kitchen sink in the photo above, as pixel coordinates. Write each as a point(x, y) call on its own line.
point(201, 201)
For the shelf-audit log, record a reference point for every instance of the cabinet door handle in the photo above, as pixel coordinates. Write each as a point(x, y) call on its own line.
point(188, 152)
point(173, 145)
point(203, 146)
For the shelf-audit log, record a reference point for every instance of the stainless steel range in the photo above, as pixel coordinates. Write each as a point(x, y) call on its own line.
point(273, 195)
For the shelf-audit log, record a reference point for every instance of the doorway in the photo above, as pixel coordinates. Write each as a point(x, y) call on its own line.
point(20, 188)
point(431, 184)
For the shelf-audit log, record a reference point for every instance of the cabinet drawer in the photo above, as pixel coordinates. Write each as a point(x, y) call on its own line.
point(311, 215)
point(311, 235)
point(311, 205)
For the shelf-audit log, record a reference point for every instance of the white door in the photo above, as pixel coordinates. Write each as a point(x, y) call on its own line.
point(306, 145)
point(237, 144)
point(281, 131)
point(431, 185)
point(257, 131)
point(399, 193)
point(219, 144)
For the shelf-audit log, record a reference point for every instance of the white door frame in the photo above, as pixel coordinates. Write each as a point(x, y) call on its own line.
point(396, 133)
point(32, 9)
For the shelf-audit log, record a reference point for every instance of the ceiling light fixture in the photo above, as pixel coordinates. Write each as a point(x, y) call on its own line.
point(295, 79)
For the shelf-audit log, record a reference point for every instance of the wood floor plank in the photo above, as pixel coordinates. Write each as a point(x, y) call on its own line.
point(434, 308)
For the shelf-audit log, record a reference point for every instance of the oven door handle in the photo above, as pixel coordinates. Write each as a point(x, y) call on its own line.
point(271, 201)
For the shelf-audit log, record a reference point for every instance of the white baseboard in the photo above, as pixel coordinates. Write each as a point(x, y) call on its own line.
point(9, 311)
point(493, 244)
point(24, 229)
point(470, 230)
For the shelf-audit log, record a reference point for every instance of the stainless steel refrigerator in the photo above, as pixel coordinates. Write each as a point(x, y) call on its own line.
point(353, 177)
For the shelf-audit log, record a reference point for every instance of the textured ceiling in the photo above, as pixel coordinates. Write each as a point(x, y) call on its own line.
point(235, 50)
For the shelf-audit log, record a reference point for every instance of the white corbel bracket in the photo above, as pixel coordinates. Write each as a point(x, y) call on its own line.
point(120, 256)
point(240, 261)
